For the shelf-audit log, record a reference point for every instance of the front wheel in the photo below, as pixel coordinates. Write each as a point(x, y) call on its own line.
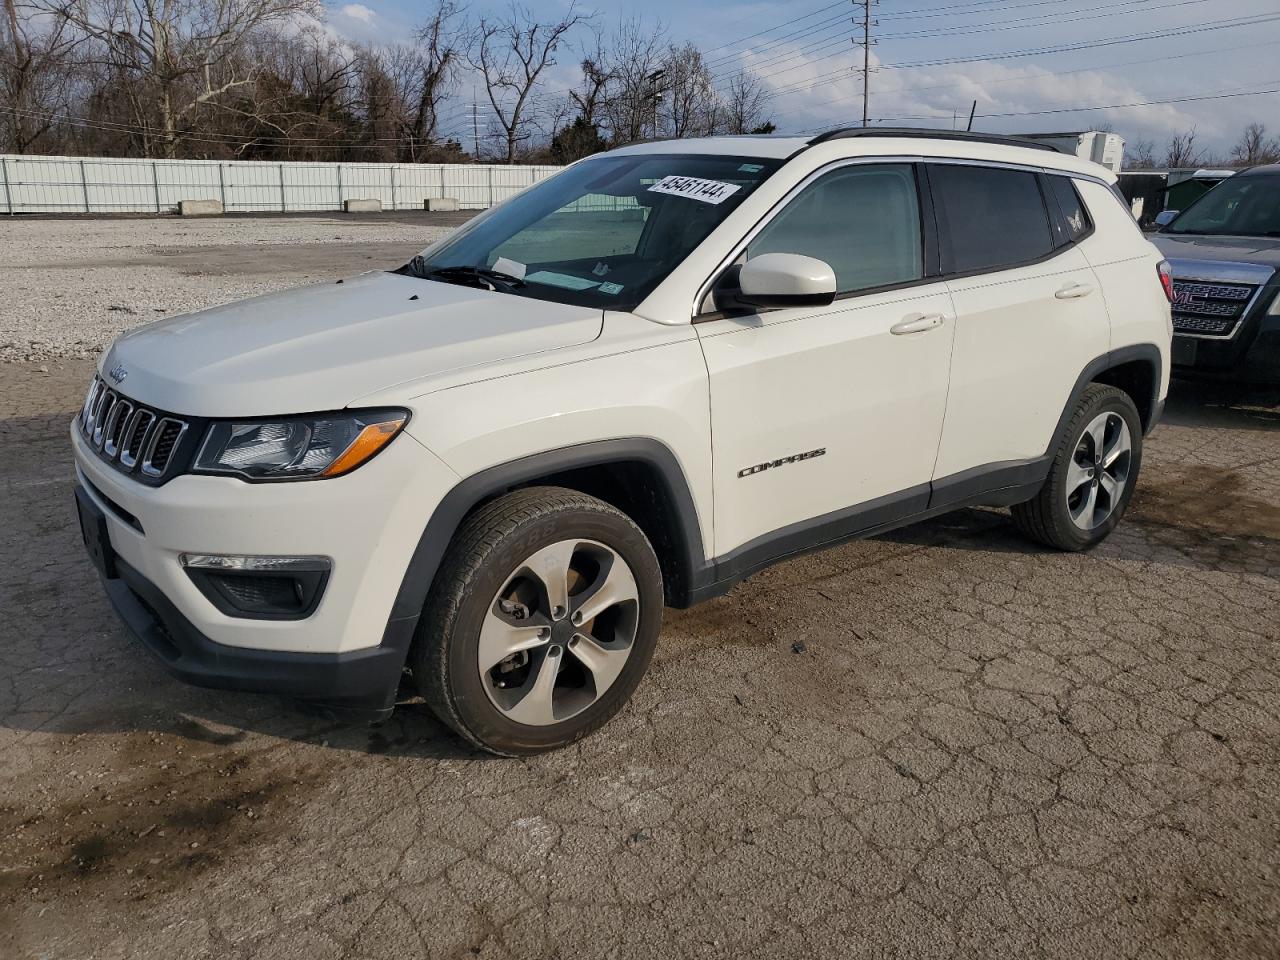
point(1092, 476)
point(541, 621)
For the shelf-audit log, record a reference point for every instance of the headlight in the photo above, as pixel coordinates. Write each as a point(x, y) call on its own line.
point(298, 448)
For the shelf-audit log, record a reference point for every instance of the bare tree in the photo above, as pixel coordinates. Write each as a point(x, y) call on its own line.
point(511, 54)
point(425, 74)
point(692, 104)
point(594, 86)
point(637, 54)
point(36, 76)
point(1182, 150)
point(1141, 155)
point(1254, 147)
point(182, 51)
point(744, 104)
point(304, 102)
point(267, 80)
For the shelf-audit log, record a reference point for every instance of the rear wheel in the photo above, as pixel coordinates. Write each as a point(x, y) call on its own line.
point(541, 622)
point(1092, 476)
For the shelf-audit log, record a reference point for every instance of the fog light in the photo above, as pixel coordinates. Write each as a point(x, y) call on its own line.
point(260, 588)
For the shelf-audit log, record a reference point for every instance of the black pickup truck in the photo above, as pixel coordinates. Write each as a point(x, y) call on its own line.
point(1225, 254)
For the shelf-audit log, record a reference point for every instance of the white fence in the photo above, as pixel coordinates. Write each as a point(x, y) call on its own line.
point(103, 185)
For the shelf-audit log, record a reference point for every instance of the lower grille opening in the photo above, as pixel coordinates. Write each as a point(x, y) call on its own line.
point(278, 593)
point(1206, 325)
point(256, 595)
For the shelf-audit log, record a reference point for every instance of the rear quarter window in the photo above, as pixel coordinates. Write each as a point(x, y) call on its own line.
point(1072, 222)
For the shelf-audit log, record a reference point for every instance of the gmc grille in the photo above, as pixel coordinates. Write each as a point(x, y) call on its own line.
point(1210, 309)
point(132, 438)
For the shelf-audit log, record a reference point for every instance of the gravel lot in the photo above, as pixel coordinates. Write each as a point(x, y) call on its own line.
point(72, 285)
point(980, 749)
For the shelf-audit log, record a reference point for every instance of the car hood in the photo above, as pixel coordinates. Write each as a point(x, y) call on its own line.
point(320, 347)
point(1259, 250)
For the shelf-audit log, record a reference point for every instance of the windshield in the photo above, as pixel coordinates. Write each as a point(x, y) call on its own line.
point(1242, 206)
point(603, 233)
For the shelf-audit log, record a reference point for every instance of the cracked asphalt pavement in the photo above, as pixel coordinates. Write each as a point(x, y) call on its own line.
point(943, 742)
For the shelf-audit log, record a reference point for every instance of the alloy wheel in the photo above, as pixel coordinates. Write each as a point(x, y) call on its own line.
point(558, 632)
point(1099, 471)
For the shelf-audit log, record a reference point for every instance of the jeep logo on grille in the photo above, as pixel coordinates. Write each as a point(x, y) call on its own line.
point(118, 374)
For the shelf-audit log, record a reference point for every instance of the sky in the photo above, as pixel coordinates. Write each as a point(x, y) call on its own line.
point(933, 58)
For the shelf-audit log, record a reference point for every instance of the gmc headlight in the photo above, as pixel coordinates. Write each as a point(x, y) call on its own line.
point(298, 448)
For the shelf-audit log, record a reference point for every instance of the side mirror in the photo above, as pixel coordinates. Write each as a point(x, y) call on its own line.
point(1165, 217)
point(786, 280)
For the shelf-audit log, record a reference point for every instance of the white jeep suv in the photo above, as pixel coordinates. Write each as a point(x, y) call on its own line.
point(634, 384)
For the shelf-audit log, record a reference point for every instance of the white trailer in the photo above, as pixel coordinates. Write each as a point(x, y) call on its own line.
point(1096, 145)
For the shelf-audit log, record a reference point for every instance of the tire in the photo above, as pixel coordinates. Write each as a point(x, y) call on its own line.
point(1064, 518)
point(495, 595)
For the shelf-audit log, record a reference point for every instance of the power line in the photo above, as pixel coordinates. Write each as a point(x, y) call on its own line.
point(1206, 27)
point(1223, 94)
point(226, 139)
point(787, 23)
point(1142, 6)
point(1015, 78)
point(840, 18)
point(1054, 19)
point(813, 47)
point(955, 10)
point(1125, 106)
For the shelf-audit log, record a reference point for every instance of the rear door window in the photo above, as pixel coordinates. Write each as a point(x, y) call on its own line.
point(989, 218)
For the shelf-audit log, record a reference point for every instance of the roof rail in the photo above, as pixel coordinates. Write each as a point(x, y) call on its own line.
point(921, 133)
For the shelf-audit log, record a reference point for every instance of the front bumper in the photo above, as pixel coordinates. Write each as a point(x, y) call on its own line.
point(349, 652)
point(361, 684)
point(1251, 357)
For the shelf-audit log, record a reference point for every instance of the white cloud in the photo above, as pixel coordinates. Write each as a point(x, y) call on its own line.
point(358, 11)
point(816, 94)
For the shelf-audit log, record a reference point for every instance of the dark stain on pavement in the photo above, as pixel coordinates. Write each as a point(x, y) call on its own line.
point(1210, 501)
point(191, 809)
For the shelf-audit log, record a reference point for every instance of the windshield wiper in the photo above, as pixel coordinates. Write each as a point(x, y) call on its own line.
point(471, 276)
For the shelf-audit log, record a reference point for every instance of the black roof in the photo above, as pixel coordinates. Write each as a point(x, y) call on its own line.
point(1266, 168)
point(926, 134)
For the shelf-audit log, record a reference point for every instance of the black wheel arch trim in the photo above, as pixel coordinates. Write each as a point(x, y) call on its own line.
point(1147, 352)
point(497, 480)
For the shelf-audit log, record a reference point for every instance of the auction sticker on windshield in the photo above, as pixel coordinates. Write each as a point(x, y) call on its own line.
point(695, 188)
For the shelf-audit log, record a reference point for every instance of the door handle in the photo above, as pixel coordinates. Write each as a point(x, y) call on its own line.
point(1074, 291)
point(917, 323)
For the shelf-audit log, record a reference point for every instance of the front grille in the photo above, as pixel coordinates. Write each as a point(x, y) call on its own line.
point(132, 438)
point(1210, 309)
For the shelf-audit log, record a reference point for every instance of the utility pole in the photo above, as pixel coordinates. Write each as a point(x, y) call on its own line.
point(475, 126)
point(867, 24)
point(655, 93)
